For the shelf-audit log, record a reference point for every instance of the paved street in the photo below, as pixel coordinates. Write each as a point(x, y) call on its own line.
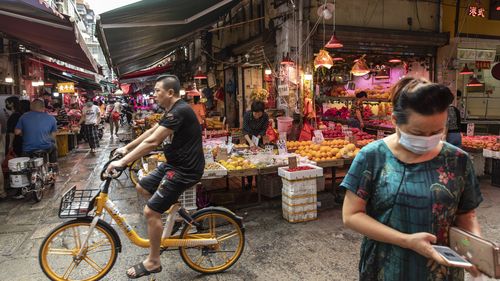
point(275, 250)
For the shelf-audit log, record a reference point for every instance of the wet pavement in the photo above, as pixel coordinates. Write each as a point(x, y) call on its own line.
point(274, 250)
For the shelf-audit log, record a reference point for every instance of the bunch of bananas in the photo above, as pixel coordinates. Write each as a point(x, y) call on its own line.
point(214, 123)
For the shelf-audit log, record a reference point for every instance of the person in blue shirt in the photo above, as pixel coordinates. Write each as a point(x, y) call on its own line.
point(39, 131)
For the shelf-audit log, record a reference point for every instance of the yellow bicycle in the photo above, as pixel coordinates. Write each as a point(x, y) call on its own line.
point(85, 248)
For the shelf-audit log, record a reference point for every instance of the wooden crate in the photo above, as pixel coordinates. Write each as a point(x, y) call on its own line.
point(270, 185)
point(243, 173)
point(331, 163)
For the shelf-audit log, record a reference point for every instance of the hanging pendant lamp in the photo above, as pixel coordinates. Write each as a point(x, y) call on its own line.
point(199, 74)
point(323, 59)
point(473, 82)
point(334, 42)
point(287, 60)
point(360, 68)
point(395, 60)
point(466, 70)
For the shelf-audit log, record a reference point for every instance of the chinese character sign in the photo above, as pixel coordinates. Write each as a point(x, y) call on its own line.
point(65, 88)
point(477, 11)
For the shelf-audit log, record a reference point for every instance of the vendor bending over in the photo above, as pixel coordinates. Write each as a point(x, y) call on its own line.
point(255, 124)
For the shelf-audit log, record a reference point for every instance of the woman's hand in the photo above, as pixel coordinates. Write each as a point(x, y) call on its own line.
point(422, 244)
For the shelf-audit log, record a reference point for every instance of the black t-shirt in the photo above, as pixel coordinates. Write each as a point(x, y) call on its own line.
point(17, 144)
point(184, 149)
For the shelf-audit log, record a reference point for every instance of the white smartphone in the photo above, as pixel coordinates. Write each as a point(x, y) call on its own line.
point(452, 257)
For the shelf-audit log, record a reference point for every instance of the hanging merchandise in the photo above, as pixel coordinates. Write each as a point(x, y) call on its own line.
point(219, 94)
point(259, 94)
point(211, 81)
point(271, 133)
point(323, 59)
point(306, 133)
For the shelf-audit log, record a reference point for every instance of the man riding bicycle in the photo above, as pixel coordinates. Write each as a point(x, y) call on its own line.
point(180, 133)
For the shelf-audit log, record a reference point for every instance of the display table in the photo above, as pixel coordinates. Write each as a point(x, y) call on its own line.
point(66, 141)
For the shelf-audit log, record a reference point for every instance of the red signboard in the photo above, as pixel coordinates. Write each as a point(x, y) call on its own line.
point(483, 65)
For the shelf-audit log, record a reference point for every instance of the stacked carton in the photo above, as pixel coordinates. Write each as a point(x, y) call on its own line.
point(299, 199)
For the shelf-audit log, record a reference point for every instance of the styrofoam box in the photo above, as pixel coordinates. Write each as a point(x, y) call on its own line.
point(292, 191)
point(299, 175)
point(488, 153)
point(497, 154)
point(297, 200)
point(299, 208)
point(298, 184)
point(300, 217)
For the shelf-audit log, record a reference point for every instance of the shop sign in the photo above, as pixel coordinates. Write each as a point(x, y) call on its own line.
point(477, 11)
point(282, 150)
point(318, 136)
point(476, 54)
point(470, 129)
point(483, 64)
point(283, 90)
point(65, 88)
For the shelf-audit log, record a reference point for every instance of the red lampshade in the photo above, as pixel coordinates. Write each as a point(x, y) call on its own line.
point(466, 70)
point(395, 60)
point(323, 59)
point(360, 68)
point(334, 43)
point(287, 60)
point(473, 82)
point(200, 75)
point(338, 59)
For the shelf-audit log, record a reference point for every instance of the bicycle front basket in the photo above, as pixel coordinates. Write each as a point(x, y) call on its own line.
point(77, 203)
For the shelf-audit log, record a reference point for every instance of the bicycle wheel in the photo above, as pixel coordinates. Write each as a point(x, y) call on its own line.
point(222, 226)
point(57, 256)
point(134, 169)
point(38, 189)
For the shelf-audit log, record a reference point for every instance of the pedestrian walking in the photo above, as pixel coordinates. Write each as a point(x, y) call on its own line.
point(114, 111)
point(91, 117)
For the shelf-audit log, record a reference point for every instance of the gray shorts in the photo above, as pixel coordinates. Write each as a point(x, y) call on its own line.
point(166, 185)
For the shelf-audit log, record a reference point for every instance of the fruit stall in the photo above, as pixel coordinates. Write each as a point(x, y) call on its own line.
point(485, 154)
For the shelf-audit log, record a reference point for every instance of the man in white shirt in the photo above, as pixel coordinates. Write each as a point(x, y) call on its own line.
point(91, 117)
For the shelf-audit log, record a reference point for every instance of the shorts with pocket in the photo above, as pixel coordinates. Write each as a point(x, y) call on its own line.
point(166, 185)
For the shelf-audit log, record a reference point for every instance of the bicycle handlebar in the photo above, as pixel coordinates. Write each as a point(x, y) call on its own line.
point(105, 176)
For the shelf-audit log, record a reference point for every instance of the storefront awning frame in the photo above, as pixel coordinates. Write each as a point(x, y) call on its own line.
point(133, 42)
point(44, 30)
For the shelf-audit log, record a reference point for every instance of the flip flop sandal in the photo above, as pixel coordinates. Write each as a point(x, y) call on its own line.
point(141, 271)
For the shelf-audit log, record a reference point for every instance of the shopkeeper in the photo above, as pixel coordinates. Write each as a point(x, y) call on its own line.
point(356, 119)
point(255, 123)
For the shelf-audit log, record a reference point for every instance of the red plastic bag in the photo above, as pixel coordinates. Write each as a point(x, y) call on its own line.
point(271, 133)
point(306, 133)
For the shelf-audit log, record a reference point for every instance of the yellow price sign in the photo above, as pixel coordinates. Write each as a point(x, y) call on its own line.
point(68, 87)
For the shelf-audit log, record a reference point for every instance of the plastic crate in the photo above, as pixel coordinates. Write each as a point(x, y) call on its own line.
point(188, 199)
point(77, 203)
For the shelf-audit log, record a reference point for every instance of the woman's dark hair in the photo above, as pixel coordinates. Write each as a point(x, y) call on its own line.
point(14, 101)
point(361, 94)
point(258, 106)
point(418, 95)
point(24, 106)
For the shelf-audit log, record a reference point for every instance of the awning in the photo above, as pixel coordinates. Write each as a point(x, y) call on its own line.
point(136, 36)
point(63, 68)
point(34, 24)
point(147, 72)
point(366, 40)
point(80, 82)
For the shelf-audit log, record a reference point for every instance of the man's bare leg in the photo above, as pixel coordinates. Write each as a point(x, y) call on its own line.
point(155, 229)
point(143, 192)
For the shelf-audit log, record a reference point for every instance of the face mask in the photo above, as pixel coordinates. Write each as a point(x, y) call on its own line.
point(419, 144)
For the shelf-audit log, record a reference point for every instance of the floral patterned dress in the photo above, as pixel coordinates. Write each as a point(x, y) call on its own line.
point(411, 198)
